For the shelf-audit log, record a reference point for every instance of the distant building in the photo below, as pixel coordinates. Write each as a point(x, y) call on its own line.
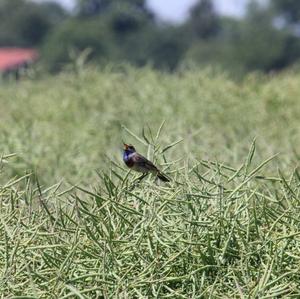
point(12, 60)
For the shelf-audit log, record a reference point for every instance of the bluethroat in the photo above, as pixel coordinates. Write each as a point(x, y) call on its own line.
point(137, 162)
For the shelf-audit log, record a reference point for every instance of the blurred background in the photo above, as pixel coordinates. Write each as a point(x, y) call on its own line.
point(238, 36)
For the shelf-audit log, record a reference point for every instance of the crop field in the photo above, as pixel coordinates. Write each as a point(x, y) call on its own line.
point(76, 223)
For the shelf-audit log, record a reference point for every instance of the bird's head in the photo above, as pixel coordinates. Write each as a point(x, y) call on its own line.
point(129, 148)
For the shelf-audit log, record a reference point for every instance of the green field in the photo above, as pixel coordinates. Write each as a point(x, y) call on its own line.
point(75, 223)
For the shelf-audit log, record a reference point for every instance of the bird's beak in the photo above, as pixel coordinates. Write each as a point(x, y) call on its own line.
point(125, 146)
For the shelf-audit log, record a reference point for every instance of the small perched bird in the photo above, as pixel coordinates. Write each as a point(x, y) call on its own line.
point(139, 163)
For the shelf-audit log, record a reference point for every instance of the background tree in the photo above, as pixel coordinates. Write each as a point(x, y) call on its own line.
point(95, 7)
point(203, 21)
point(252, 43)
point(24, 23)
point(266, 39)
point(115, 30)
point(91, 7)
point(289, 10)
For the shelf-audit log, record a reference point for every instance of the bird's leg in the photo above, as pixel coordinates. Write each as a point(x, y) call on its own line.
point(138, 180)
point(142, 176)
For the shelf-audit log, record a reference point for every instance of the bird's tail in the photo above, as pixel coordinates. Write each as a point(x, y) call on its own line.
point(162, 177)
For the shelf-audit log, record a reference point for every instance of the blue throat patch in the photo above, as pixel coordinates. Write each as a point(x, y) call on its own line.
point(126, 155)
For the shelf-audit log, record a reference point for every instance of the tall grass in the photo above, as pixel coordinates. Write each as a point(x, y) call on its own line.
point(75, 223)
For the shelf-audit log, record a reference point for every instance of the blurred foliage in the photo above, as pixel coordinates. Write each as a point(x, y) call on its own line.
point(95, 7)
point(65, 126)
point(265, 39)
point(250, 44)
point(203, 21)
point(287, 9)
point(120, 31)
point(24, 23)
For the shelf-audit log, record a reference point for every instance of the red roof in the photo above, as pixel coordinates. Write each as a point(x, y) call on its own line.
point(12, 58)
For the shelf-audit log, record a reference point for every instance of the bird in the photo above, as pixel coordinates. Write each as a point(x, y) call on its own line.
point(139, 163)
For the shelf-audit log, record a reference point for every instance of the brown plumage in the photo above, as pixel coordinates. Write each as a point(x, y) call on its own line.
point(139, 163)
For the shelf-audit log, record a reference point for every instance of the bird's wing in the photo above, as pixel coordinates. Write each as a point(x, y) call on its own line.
point(143, 162)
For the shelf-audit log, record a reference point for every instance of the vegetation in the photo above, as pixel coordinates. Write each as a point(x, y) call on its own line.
point(75, 223)
point(265, 39)
point(25, 23)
